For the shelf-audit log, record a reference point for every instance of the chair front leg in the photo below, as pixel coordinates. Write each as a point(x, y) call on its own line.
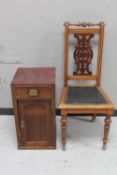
point(63, 131)
point(106, 131)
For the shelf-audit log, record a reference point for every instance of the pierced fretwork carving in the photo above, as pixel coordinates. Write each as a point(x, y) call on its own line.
point(83, 54)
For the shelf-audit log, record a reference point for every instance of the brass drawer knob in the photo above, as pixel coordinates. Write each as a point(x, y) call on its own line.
point(33, 92)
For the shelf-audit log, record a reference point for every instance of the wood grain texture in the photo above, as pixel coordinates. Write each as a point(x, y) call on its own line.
point(34, 76)
point(106, 131)
point(84, 28)
point(34, 108)
point(83, 54)
point(83, 24)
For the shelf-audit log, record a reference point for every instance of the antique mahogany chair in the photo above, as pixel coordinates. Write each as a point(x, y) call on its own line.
point(85, 98)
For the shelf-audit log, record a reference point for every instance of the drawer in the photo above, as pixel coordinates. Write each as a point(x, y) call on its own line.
point(33, 92)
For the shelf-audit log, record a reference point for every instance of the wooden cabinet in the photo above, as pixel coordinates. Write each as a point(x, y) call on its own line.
point(33, 93)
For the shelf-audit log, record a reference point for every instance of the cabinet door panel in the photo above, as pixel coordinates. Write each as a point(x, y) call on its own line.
point(35, 121)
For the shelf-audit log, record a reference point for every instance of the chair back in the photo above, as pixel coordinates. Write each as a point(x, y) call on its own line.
point(83, 53)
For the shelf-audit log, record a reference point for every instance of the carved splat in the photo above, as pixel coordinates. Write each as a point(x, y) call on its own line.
point(83, 54)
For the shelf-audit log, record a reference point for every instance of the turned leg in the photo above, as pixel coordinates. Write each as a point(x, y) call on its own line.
point(63, 131)
point(93, 118)
point(106, 131)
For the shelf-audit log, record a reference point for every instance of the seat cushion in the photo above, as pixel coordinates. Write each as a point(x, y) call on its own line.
point(84, 95)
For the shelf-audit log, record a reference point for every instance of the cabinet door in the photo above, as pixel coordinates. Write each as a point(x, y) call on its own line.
point(36, 123)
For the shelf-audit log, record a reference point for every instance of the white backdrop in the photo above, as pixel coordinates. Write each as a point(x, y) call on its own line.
point(32, 33)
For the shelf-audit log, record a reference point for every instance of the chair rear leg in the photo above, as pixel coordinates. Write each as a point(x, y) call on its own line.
point(63, 131)
point(106, 131)
point(93, 118)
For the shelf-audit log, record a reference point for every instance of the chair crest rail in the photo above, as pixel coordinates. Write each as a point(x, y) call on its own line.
point(84, 24)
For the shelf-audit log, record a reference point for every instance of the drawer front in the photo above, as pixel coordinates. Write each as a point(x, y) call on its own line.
point(33, 92)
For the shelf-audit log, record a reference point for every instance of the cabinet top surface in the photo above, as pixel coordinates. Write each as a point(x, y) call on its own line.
point(34, 76)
